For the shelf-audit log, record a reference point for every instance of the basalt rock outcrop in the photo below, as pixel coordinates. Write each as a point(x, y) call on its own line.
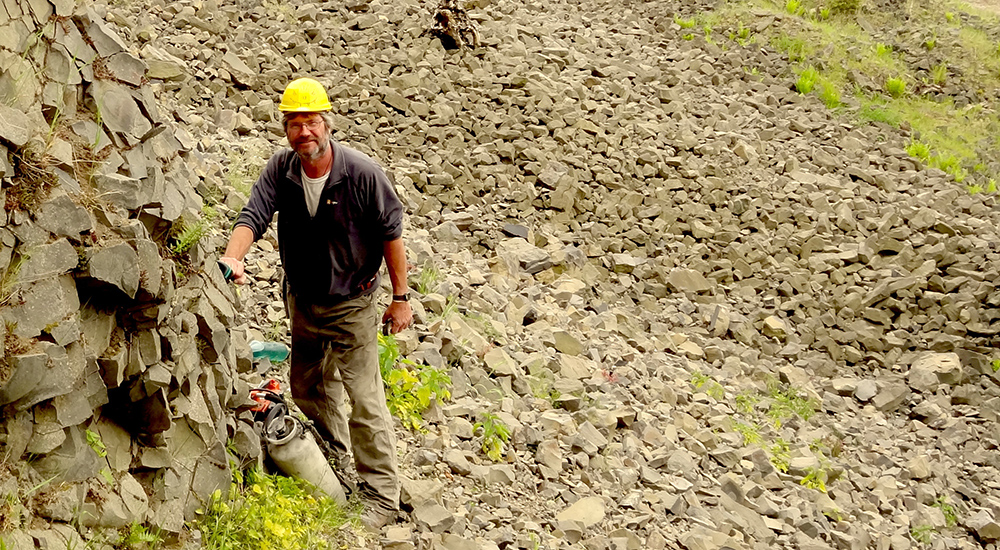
point(712, 313)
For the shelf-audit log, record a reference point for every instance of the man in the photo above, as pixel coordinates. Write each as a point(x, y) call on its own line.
point(339, 218)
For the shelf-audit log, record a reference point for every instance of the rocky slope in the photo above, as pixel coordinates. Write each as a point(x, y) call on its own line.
point(712, 314)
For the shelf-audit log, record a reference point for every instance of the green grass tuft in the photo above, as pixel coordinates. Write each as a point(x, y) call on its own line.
point(895, 87)
point(807, 80)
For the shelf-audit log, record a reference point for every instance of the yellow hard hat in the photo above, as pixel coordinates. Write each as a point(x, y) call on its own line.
point(304, 95)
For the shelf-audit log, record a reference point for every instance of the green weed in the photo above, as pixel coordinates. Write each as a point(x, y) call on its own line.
point(829, 94)
point(824, 13)
point(9, 279)
point(688, 36)
point(270, 511)
point(429, 278)
point(786, 403)
point(495, 434)
point(705, 383)
point(949, 512)
point(991, 186)
point(816, 479)
point(930, 44)
point(879, 113)
point(793, 7)
point(895, 87)
point(807, 80)
point(409, 387)
point(919, 150)
point(140, 537)
point(684, 23)
point(750, 432)
point(882, 50)
point(794, 46)
point(780, 455)
point(244, 167)
point(745, 402)
point(186, 234)
point(921, 534)
point(939, 73)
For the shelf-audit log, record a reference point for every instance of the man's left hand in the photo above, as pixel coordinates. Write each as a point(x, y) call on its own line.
point(400, 315)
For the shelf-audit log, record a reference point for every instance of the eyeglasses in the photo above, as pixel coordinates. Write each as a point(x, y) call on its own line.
point(312, 126)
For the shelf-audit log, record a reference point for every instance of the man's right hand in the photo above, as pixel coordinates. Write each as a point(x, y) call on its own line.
point(239, 275)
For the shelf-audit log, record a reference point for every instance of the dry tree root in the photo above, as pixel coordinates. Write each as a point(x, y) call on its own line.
point(453, 27)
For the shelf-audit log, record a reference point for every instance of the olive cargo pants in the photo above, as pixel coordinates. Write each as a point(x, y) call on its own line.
point(335, 348)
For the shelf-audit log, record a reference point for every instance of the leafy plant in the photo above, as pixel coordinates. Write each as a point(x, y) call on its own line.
point(949, 512)
point(409, 387)
point(807, 80)
point(995, 364)
point(883, 50)
point(815, 478)
point(270, 511)
point(705, 383)
point(495, 434)
point(187, 235)
point(895, 87)
point(786, 403)
point(684, 23)
point(919, 150)
point(793, 6)
point(750, 432)
point(824, 13)
point(780, 455)
point(95, 443)
point(139, 536)
point(921, 534)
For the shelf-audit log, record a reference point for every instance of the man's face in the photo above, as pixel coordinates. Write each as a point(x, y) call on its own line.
point(308, 135)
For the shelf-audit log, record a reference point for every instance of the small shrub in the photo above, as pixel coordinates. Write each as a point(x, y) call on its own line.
point(930, 44)
point(270, 511)
point(409, 387)
point(807, 80)
point(883, 51)
point(949, 16)
point(793, 6)
point(824, 13)
point(895, 87)
point(495, 434)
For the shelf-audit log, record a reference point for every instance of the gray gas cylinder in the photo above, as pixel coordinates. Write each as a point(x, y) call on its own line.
point(296, 453)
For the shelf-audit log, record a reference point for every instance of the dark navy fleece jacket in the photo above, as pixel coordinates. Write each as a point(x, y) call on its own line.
point(337, 254)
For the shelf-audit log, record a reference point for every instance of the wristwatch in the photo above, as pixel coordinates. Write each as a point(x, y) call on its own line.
point(401, 297)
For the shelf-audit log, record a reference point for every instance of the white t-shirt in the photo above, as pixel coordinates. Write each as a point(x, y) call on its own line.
point(313, 188)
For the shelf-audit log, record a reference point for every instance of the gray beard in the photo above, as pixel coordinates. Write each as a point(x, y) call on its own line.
point(321, 148)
